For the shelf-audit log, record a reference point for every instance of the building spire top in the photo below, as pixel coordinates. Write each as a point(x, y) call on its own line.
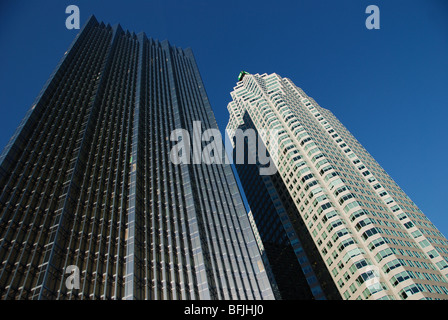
point(241, 75)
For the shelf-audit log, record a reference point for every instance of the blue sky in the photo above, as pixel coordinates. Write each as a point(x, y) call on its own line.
point(389, 87)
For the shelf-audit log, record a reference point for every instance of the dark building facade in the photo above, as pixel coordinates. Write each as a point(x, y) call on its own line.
point(86, 181)
point(296, 266)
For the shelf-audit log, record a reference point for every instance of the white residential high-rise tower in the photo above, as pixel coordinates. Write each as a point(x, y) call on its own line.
point(374, 241)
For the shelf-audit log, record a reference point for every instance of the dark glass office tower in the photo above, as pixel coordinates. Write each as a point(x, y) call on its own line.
point(87, 181)
point(297, 268)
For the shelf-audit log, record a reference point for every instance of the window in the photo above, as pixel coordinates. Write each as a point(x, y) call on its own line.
point(408, 225)
point(370, 233)
point(400, 277)
point(432, 254)
point(383, 254)
point(424, 243)
point(347, 294)
point(391, 265)
point(409, 291)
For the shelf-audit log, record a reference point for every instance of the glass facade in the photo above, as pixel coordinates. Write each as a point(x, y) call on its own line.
point(297, 268)
point(87, 181)
point(374, 242)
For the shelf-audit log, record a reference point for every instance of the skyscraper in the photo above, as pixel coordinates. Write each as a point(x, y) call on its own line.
point(87, 184)
point(341, 214)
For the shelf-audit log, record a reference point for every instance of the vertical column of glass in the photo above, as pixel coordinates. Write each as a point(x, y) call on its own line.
point(165, 212)
point(159, 210)
point(50, 269)
point(132, 276)
point(152, 176)
point(167, 181)
point(201, 199)
point(256, 285)
point(216, 200)
point(148, 174)
point(185, 209)
point(58, 227)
